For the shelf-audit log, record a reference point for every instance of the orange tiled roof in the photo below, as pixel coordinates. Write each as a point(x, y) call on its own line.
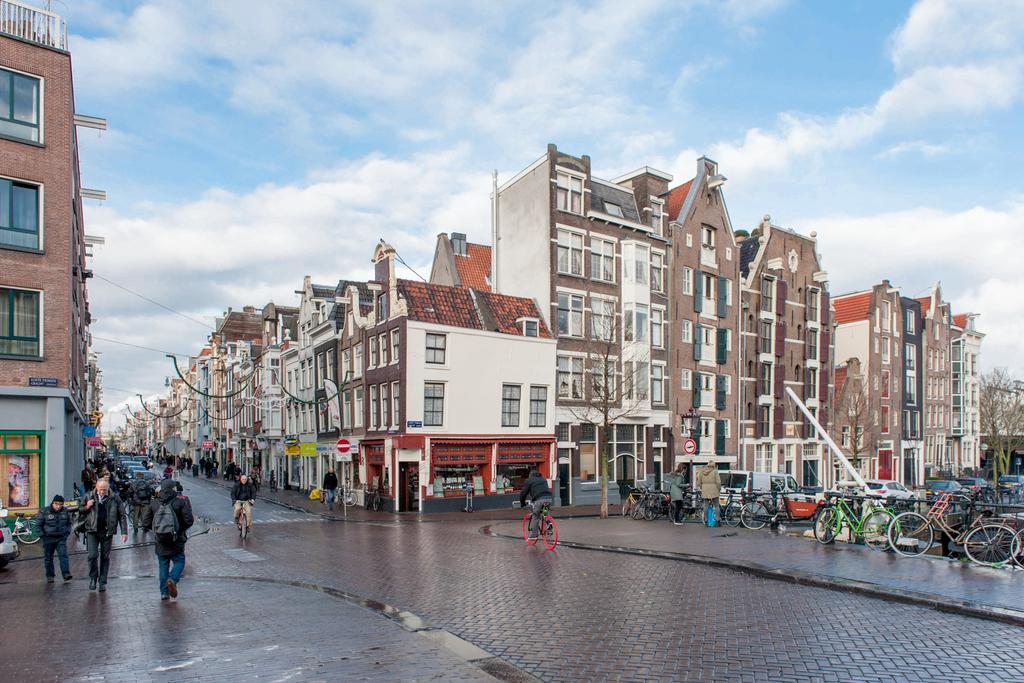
point(960, 320)
point(440, 304)
point(506, 310)
point(676, 197)
point(852, 307)
point(926, 304)
point(475, 267)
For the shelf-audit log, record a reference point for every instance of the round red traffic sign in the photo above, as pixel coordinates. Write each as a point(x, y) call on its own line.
point(690, 447)
point(343, 446)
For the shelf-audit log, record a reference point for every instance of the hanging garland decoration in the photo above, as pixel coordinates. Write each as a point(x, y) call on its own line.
point(137, 418)
point(163, 417)
point(203, 393)
point(304, 401)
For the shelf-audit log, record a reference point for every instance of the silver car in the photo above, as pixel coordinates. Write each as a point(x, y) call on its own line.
point(8, 548)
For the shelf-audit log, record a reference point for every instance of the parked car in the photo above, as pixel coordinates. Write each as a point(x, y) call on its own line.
point(888, 488)
point(937, 486)
point(8, 548)
point(976, 484)
point(1011, 485)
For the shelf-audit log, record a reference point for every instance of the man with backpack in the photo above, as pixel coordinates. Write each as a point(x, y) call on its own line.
point(169, 516)
point(141, 493)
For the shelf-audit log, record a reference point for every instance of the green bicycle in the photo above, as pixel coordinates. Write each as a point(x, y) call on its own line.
point(872, 524)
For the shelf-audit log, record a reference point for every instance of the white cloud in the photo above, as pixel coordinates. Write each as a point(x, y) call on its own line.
point(926, 149)
point(973, 253)
point(950, 31)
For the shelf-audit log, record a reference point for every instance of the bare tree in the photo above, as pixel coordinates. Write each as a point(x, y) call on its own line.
point(619, 384)
point(1001, 412)
point(853, 413)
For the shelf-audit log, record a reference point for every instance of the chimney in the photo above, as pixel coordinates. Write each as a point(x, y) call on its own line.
point(459, 243)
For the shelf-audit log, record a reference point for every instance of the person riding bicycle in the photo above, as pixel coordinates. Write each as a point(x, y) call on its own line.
point(243, 493)
point(537, 490)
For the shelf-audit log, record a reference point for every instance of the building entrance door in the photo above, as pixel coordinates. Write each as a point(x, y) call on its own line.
point(885, 464)
point(625, 473)
point(564, 483)
point(409, 486)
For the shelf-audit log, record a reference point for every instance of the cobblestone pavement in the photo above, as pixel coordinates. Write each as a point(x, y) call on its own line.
point(1003, 588)
point(583, 615)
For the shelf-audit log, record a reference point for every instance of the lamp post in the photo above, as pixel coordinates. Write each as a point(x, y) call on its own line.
point(691, 419)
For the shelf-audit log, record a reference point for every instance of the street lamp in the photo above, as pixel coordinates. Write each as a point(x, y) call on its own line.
point(691, 419)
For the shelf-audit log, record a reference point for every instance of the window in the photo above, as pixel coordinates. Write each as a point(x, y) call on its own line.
point(686, 330)
point(766, 379)
point(569, 191)
point(613, 209)
point(346, 416)
point(635, 316)
point(19, 212)
point(382, 307)
point(530, 328)
point(385, 406)
point(767, 294)
point(19, 323)
point(657, 212)
point(570, 253)
point(19, 106)
point(764, 421)
point(384, 356)
point(886, 314)
point(436, 347)
point(813, 297)
point(332, 361)
point(845, 441)
point(395, 336)
point(658, 384)
point(766, 337)
point(570, 315)
point(812, 383)
point(570, 377)
point(357, 370)
point(885, 419)
point(373, 352)
point(709, 291)
point(602, 319)
point(562, 432)
point(321, 370)
point(538, 406)
point(707, 339)
point(510, 394)
point(373, 406)
point(812, 343)
point(911, 358)
point(394, 403)
point(642, 262)
point(433, 404)
point(602, 259)
point(688, 281)
point(910, 321)
point(637, 380)
point(686, 379)
point(707, 237)
point(657, 272)
point(657, 328)
point(885, 351)
point(602, 381)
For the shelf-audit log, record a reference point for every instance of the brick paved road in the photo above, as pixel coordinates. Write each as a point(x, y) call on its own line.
point(579, 615)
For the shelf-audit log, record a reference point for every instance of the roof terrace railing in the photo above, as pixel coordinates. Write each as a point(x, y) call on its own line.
point(33, 24)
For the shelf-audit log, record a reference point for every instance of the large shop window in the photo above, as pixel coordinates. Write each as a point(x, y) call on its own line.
point(19, 213)
point(19, 322)
point(515, 460)
point(19, 106)
point(21, 459)
point(456, 465)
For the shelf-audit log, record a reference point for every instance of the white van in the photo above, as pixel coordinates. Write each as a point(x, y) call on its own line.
point(737, 481)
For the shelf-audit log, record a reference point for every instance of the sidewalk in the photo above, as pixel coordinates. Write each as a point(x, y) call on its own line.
point(940, 583)
point(294, 500)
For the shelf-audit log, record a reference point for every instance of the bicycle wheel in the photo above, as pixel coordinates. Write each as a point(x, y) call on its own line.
point(910, 534)
point(550, 533)
point(628, 505)
point(754, 515)
point(28, 533)
point(637, 511)
point(990, 544)
point(651, 511)
point(1017, 549)
point(731, 514)
point(826, 525)
point(874, 527)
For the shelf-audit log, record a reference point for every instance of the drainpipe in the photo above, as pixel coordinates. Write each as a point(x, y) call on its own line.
point(494, 231)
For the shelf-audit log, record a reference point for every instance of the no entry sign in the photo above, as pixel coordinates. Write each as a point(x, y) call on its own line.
point(344, 446)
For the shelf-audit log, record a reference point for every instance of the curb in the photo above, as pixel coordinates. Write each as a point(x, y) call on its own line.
point(939, 603)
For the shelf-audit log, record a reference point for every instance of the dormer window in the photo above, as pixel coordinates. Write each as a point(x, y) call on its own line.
point(613, 209)
point(657, 215)
point(570, 192)
point(530, 327)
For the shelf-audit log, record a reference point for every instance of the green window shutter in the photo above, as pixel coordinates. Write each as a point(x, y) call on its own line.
point(698, 290)
point(719, 437)
point(720, 392)
point(723, 293)
point(721, 347)
point(696, 390)
point(698, 341)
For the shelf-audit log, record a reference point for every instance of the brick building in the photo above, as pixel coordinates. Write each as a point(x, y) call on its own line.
point(44, 309)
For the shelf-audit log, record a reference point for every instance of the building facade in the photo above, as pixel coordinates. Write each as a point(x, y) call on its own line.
point(965, 387)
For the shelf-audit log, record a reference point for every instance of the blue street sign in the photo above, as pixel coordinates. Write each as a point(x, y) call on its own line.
point(414, 424)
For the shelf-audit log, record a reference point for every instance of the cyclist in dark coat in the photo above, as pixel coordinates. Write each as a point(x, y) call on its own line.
point(536, 489)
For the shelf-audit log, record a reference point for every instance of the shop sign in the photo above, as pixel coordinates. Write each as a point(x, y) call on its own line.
point(89, 430)
point(414, 424)
point(94, 442)
point(324, 449)
point(207, 444)
point(42, 381)
point(291, 449)
point(291, 441)
point(307, 449)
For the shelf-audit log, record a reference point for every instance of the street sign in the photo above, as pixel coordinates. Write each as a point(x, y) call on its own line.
point(414, 424)
point(207, 444)
point(89, 430)
point(42, 381)
point(690, 447)
point(345, 447)
point(94, 442)
point(347, 457)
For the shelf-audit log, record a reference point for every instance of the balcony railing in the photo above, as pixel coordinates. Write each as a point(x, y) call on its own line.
point(33, 24)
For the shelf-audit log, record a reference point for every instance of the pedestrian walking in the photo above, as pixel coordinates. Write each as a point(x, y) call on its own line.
point(101, 513)
point(677, 481)
point(169, 517)
point(330, 488)
point(273, 480)
point(141, 493)
point(88, 477)
point(710, 483)
point(54, 523)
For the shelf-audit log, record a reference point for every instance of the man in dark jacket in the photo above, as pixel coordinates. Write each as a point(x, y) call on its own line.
point(242, 495)
point(103, 513)
point(141, 492)
point(330, 488)
point(169, 516)
point(535, 489)
point(54, 524)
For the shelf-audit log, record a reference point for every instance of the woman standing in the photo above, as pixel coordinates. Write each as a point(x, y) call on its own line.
point(677, 479)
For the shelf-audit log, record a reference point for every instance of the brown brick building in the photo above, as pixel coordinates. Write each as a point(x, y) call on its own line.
point(44, 310)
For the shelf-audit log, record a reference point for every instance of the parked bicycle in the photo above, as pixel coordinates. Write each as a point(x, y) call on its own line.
point(983, 539)
point(632, 499)
point(763, 508)
point(25, 529)
point(870, 524)
point(548, 527)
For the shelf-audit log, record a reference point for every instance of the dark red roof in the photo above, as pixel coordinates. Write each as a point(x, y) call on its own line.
point(926, 304)
point(676, 197)
point(960, 320)
point(840, 379)
point(852, 307)
point(506, 310)
point(475, 267)
point(440, 304)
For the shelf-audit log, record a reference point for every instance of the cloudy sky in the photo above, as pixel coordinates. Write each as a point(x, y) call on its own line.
point(253, 143)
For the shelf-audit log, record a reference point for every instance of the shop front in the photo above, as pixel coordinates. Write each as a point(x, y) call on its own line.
point(21, 461)
point(376, 478)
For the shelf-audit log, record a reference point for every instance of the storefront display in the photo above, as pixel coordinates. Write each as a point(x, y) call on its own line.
point(21, 462)
point(456, 464)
